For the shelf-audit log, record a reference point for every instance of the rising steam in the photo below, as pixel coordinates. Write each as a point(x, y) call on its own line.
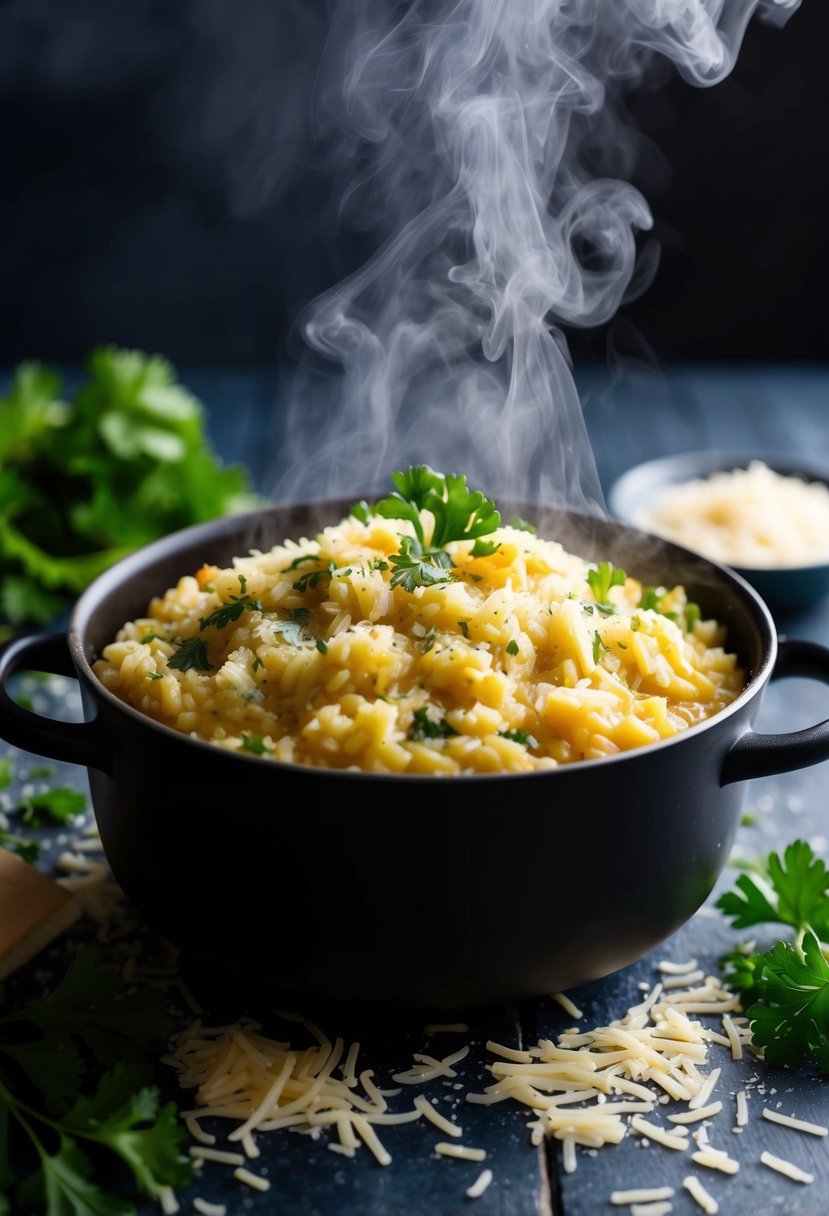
point(487, 138)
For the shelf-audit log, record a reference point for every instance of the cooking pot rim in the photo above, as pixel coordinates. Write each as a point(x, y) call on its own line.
point(132, 565)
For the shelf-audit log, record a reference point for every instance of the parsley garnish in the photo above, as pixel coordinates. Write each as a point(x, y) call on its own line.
point(651, 598)
point(519, 736)
point(425, 727)
point(692, 615)
point(410, 570)
point(84, 1053)
point(786, 988)
point(601, 579)
point(598, 645)
point(458, 513)
point(233, 609)
point(321, 646)
point(190, 652)
point(512, 646)
point(60, 805)
point(485, 548)
point(256, 744)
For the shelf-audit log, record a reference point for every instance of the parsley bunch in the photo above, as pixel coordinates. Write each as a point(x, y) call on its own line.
point(785, 990)
point(57, 1132)
point(84, 481)
point(458, 513)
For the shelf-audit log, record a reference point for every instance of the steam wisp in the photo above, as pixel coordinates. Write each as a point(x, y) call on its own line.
point(488, 138)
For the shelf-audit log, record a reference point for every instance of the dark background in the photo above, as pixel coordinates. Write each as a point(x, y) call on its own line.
point(162, 189)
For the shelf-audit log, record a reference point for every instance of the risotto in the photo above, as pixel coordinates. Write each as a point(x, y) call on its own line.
point(422, 635)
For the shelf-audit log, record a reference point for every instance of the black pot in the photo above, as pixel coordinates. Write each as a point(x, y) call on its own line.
point(434, 892)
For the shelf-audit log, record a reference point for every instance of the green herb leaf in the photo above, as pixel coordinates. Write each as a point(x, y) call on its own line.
point(411, 569)
point(61, 804)
point(601, 578)
point(255, 744)
point(424, 726)
point(519, 736)
point(791, 891)
point(790, 1020)
point(232, 609)
point(190, 652)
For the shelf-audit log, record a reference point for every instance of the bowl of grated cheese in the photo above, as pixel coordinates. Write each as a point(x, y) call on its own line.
point(763, 515)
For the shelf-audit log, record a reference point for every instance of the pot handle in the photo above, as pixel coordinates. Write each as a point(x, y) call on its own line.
point(74, 742)
point(758, 755)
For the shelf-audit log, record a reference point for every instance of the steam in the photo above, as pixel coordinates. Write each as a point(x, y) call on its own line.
point(490, 147)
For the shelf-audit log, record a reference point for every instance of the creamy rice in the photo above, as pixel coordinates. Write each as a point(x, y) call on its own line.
point(308, 654)
point(753, 517)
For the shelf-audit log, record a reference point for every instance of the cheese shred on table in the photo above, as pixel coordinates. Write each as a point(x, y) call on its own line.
point(309, 653)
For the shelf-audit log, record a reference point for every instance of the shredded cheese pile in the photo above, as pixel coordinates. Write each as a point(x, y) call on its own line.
point(752, 517)
point(586, 1089)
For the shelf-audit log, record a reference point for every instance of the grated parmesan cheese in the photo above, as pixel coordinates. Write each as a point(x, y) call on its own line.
point(800, 1125)
point(786, 1167)
point(479, 1185)
point(698, 1193)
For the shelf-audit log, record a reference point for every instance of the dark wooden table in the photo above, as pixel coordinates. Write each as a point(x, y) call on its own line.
point(631, 416)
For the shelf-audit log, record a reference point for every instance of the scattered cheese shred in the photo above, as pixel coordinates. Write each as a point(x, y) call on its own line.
point(786, 1167)
point(426, 1108)
point(800, 1125)
point(479, 1185)
point(204, 1208)
point(698, 1193)
point(651, 1209)
point(460, 1150)
point(567, 1005)
point(642, 1194)
point(716, 1159)
point(256, 1181)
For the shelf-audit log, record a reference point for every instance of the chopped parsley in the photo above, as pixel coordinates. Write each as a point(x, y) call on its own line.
point(519, 736)
point(601, 578)
point(425, 727)
point(256, 744)
point(190, 653)
point(61, 804)
point(232, 610)
point(512, 646)
point(321, 646)
point(598, 645)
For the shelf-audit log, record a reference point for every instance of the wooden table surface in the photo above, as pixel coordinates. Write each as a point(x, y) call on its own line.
point(631, 416)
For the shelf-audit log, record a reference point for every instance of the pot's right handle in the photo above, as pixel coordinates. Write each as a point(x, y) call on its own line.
point(758, 755)
point(75, 742)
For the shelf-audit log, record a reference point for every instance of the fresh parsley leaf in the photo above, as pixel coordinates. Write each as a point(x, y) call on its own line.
point(651, 598)
point(29, 850)
point(485, 548)
point(123, 1115)
point(458, 514)
point(61, 804)
point(190, 652)
point(6, 772)
point(122, 461)
point(90, 1022)
point(232, 610)
point(411, 569)
point(790, 1018)
point(792, 890)
point(788, 985)
point(600, 579)
point(512, 647)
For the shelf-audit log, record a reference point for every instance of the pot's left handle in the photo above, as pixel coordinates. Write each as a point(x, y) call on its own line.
point(75, 742)
point(759, 755)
